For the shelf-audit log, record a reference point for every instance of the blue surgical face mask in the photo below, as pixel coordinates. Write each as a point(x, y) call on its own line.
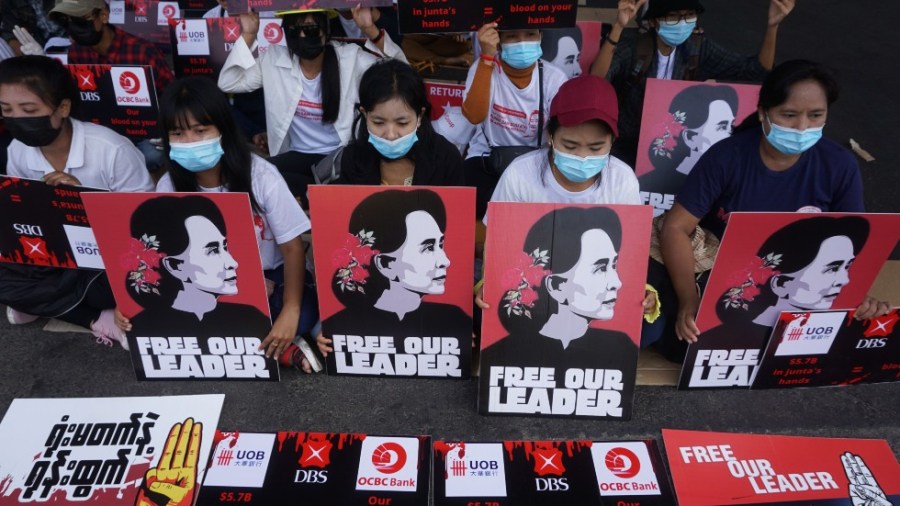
point(197, 156)
point(675, 35)
point(521, 55)
point(791, 141)
point(397, 148)
point(579, 169)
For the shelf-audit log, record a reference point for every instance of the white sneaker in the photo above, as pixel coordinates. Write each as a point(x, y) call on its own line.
point(106, 331)
point(18, 317)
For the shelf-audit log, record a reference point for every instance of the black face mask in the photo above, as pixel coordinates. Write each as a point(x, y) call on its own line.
point(35, 131)
point(84, 33)
point(308, 47)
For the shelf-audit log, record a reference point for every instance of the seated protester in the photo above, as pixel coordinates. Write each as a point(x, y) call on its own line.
point(310, 86)
point(37, 99)
point(506, 96)
point(206, 152)
point(673, 49)
point(394, 142)
point(576, 167)
point(777, 161)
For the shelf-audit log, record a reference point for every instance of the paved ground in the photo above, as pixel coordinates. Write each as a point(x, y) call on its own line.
point(852, 36)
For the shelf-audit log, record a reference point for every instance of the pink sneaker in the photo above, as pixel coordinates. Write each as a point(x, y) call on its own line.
point(18, 317)
point(106, 331)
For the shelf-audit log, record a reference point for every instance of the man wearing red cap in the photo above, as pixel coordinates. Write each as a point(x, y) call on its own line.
point(673, 49)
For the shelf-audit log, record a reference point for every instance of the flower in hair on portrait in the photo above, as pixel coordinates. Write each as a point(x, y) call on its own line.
point(745, 283)
point(141, 261)
point(520, 281)
point(352, 261)
point(666, 139)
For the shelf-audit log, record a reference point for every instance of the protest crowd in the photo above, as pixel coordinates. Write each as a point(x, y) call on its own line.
point(344, 102)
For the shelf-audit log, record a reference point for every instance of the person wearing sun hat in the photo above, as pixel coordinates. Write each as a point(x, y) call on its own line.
point(311, 86)
point(673, 47)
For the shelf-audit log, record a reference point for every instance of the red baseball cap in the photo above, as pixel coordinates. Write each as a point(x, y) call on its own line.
point(584, 98)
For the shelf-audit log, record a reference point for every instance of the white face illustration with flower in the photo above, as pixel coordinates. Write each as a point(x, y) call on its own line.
point(420, 264)
point(590, 288)
point(817, 285)
point(206, 265)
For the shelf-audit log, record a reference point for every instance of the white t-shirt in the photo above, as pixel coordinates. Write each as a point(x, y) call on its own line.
point(98, 157)
point(282, 218)
point(665, 64)
point(513, 113)
point(529, 179)
point(308, 133)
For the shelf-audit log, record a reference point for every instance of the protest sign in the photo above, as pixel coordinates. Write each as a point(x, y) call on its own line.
point(201, 46)
point(773, 262)
point(680, 121)
point(819, 348)
point(440, 16)
point(317, 469)
point(394, 272)
point(566, 285)
point(185, 269)
point(110, 451)
point(45, 225)
point(714, 468)
point(120, 97)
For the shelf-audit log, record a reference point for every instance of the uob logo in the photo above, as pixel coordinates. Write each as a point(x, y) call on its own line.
point(389, 458)
point(623, 463)
point(130, 82)
point(272, 32)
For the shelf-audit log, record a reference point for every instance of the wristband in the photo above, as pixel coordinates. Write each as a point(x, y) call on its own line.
point(611, 41)
point(487, 58)
point(380, 36)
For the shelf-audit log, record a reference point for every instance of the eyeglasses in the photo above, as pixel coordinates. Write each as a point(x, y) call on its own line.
point(65, 21)
point(674, 19)
point(309, 31)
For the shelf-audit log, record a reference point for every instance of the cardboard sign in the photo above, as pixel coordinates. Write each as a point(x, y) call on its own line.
point(773, 262)
point(681, 120)
point(438, 16)
point(714, 468)
point(201, 46)
point(146, 19)
point(565, 284)
point(394, 269)
point(120, 97)
point(550, 473)
point(45, 225)
point(240, 6)
point(185, 269)
point(819, 348)
point(109, 451)
point(317, 469)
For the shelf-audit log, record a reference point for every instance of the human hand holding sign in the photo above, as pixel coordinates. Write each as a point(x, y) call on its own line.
point(627, 10)
point(174, 480)
point(778, 10)
point(863, 489)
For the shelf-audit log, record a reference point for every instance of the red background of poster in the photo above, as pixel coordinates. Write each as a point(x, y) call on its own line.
point(655, 116)
point(331, 207)
point(110, 216)
point(712, 483)
point(508, 224)
point(591, 32)
point(747, 231)
point(443, 95)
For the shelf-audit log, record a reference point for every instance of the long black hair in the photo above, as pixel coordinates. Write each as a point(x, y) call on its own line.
point(201, 98)
point(330, 83)
point(383, 214)
point(161, 220)
point(776, 88)
point(46, 77)
point(798, 243)
point(559, 233)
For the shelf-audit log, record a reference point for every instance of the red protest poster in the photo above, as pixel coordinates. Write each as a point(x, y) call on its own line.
point(446, 112)
point(681, 120)
point(773, 262)
point(565, 284)
point(120, 97)
point(573, 49)
point(394, 269)
point(714, 468)
point(819, 348)
point(185, 269)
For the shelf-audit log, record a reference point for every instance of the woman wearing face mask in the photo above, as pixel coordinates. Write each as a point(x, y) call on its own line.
point(310, 86)
point(206, 152)
point(503, 99)
point(37, 99)
point(673, 48)
point(394, 142)
point(777, 161)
